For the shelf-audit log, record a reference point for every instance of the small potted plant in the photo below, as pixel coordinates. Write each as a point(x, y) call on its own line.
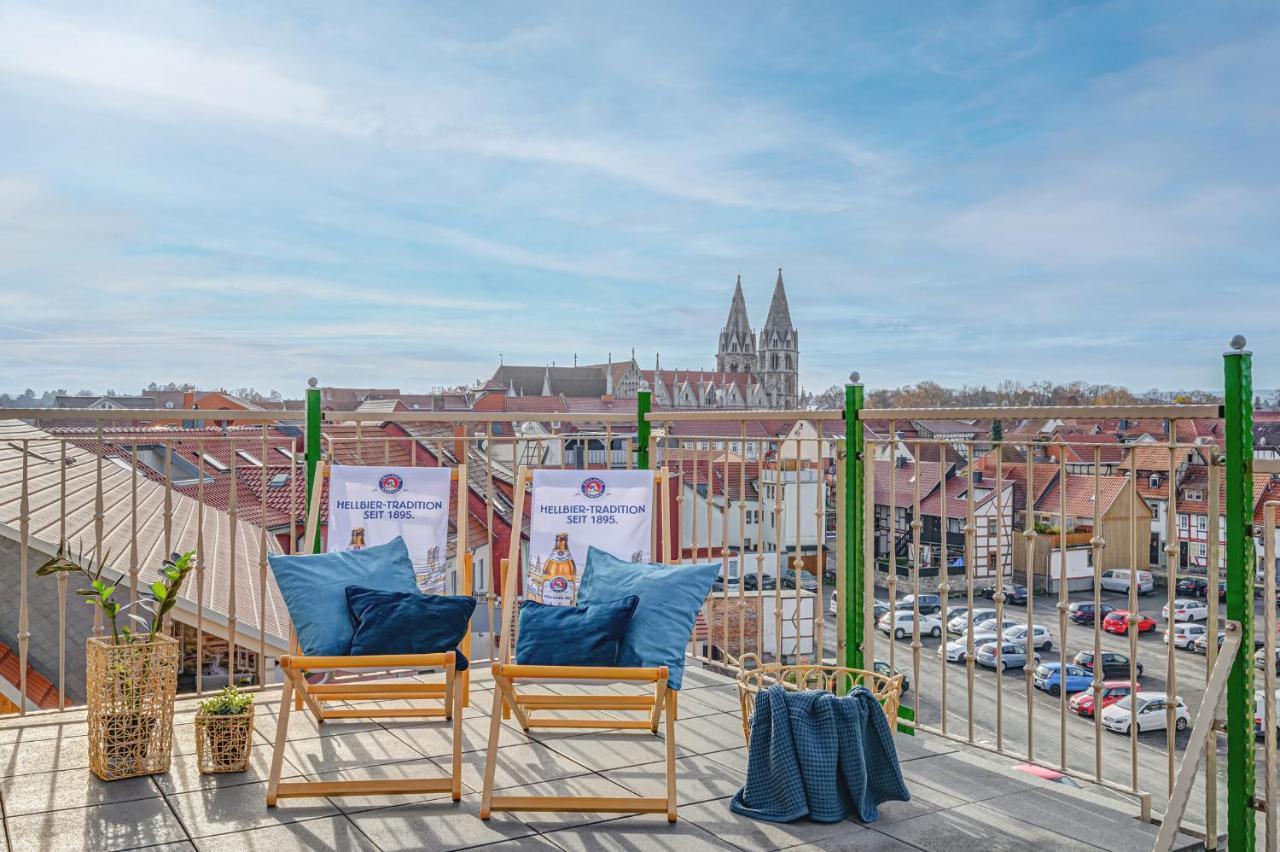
point(224, 731)
point(131, 675)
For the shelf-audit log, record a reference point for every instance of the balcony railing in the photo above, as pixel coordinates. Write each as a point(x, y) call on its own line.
point(795, 513)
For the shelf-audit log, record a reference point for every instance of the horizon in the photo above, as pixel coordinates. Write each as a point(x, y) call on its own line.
point(394, 196)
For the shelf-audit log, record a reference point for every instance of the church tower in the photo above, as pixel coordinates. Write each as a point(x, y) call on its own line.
point(779, 352)
point(737, 350)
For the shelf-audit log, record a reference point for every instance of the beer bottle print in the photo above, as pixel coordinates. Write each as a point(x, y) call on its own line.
point(560, 575)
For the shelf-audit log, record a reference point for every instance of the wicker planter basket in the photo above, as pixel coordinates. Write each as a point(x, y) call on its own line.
point(223, 742)
point(755, 676)
point(130, 690)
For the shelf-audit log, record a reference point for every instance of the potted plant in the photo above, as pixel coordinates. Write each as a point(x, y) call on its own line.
point(224, 731)
point(132, 674)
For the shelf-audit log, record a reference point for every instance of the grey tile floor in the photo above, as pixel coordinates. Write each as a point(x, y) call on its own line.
point(962, 799)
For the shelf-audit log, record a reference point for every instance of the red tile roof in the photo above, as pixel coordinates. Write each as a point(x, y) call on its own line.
point(40, 690)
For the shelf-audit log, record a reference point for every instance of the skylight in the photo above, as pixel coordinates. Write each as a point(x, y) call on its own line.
point(286, 452)
point(214, 463)
point(249, 457)
point(280, 480)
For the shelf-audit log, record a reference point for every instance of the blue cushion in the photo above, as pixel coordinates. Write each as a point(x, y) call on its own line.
point(670, 597)
point(314, 588)
point(408, 622)
point(573, 635)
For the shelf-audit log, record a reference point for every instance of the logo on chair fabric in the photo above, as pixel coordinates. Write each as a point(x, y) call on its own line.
point(391, 483)
point(593, 487)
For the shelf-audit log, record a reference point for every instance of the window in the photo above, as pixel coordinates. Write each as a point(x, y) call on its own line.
point(286, 452)
point(1204, 551)
point(991, 526)
point(1194, 494)
point(214, 463)
point(280, 480)
point(249, 457)
point(1202, 523)
point(953, 525)
point(1154, 480)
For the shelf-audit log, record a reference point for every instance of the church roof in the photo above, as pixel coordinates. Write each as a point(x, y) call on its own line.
point(779, 313)
point(567, 381)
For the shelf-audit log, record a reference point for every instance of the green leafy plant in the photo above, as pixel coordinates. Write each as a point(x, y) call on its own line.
point(229, 702)
point(101, 593)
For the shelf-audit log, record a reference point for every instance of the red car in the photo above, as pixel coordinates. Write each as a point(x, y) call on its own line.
point(1112, 691)
point(1118, 622)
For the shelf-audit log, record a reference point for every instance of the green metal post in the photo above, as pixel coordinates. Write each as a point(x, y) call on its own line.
point(644, 404)
point(854, 514)
point(314, 418)
point(1238, 414)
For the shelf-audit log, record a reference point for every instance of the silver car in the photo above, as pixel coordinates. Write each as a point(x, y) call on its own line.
point(980, 614)
point(1012, 656)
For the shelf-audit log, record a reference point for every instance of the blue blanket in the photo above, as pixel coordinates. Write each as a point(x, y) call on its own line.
point(818, 755)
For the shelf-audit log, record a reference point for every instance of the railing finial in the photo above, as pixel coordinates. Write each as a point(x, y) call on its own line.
point(855, 378)
point(312, 382)
point(1238, 342)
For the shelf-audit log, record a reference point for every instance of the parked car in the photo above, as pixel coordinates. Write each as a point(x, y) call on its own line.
point(1201, 645)
point(954, 612)
point(1151, 713)
point(1197, 587)
point(1041, 638)
point(808, 582)
point(1120, 580)
point(1012, 656)
point(1114, 665)
point(1081, 612)
point(1184, 634)
point(1259, 696)
point(1012, 594)
point(960, 623)
point(955, 651)
point(1049, 677)
point(900, 624)
point(993, 626)
point(1187, 609)
point(1112, 691)
point(883, 668)
point(765, 582)
point(1260, 659)
point(1118, 622)
point(929, 604)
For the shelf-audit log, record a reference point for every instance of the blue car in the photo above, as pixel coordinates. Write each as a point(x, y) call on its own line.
point(1048, 676)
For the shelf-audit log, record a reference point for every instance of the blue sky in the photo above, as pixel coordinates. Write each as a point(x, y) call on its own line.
point(392, 194)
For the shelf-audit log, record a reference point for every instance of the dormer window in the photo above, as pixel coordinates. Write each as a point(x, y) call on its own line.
point(1194, 494)
point(1154, 480)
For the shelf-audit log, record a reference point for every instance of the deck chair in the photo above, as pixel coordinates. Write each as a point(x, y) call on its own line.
point(348, 681)
point(508, 700)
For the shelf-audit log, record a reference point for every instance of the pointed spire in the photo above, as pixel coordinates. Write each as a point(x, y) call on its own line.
point(737, 321)
point(608, 377)
point(546, 382)
point(779, 318)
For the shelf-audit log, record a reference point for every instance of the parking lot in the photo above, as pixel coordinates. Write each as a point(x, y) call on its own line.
point(1000, 701)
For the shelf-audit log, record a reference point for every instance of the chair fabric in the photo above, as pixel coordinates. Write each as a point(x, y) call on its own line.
point(408, 622)
point(314, 590)
point(819, 755)
point(670, 598)
point(573, 635)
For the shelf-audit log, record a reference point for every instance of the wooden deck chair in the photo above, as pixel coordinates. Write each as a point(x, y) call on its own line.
point(508, 699)
point(440, 700)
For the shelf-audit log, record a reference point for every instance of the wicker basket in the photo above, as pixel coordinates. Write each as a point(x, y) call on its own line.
point(753, 676)
point(130, 690)
point(223, 742)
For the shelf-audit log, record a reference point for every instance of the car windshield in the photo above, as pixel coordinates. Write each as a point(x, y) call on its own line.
point(1043, 671)
point(1125, 703)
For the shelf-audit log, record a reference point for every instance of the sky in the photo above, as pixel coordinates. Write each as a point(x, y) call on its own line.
point(398, 194)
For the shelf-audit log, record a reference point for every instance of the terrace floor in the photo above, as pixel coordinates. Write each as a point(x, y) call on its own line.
point(961, 798)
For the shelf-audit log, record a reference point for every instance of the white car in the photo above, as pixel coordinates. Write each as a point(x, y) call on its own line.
point(900, 624)
point(1187, 609)
point(956, 650)
point(834, 607)
point(960, 623)
point(993, 626)
point(1151, 713)
point(1119, 581)
point(1041, 639)
point(1185, 635)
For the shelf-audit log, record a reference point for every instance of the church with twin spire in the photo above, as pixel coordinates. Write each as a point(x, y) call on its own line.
point(757, 369)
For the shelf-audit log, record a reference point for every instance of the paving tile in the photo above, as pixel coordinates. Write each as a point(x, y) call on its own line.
point(122, 825)
point(423, 768)
point(184, 772)
point(303, 725)
point(977, 826)
point(435, 739)
point(722, 698)
point(715, 818)
point(70, 788)
point(641, 833)
point(1115, 828)
point(862, 840)
point(611, 749)
point(734, 758)
point(924, 800)
point(46, 728)
point(52, 755)
point(913, 748)
point(581, 785)
point(697, 780)
point(708, 733)
point(368, 748)
point(965, 776)
point(225, 810)
point(517, 765)
point(331, 834)
point(431, 825)
point(523, 843)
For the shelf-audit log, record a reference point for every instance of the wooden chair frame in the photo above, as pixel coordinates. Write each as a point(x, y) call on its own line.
point(508, 700)
point(445, 700)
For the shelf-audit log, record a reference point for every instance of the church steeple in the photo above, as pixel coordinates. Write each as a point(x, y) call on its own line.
point(779, 318)
point(779, 358)
point(737, 350)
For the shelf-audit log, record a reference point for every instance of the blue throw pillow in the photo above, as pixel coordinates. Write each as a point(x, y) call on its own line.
point(314, 588)
point(573, 635)
point(670, 597)
point(408, 622)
